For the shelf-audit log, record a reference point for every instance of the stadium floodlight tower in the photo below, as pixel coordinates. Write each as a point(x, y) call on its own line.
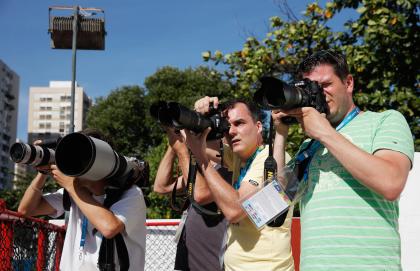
point(84, 30)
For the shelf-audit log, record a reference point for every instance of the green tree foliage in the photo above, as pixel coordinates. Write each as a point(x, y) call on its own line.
point(381, 46)
point(120, 116)
point(185, 86)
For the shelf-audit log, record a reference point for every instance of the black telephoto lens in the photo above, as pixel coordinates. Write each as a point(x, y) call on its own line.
point(159, 111)
point(184, 118)
point(276, 94)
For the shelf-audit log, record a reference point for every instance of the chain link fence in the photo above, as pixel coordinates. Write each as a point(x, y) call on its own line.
point(160, 245)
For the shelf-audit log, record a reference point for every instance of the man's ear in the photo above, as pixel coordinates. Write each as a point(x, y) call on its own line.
point(349, 83)
point(260, 126)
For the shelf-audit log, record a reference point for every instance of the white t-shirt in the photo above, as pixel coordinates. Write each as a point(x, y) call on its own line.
point(130, 209)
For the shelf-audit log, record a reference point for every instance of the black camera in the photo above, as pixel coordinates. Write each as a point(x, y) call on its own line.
point(79, 155)
point(34, 155)
point(276, 94)
point(180, 117)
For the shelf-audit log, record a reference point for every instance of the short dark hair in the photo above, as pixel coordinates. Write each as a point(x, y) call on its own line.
point(335, 59)
point(256, 113)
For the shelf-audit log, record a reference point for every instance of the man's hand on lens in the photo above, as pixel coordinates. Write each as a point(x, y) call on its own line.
point(37, 142)
point(202, 106)
point(64, 181)
point(280, 127)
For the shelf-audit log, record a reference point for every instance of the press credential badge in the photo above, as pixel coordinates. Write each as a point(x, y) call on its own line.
point(266, 204)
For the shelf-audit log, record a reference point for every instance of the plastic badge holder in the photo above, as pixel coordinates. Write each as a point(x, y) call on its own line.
point(264, 205)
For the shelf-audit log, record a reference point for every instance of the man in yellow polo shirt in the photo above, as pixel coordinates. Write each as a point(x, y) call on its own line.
point(246, 248)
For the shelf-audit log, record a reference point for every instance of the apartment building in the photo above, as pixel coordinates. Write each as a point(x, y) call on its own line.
point(50, 110)
point(9, 98)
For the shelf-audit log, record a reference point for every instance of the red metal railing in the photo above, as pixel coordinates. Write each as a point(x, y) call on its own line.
point(27, 242)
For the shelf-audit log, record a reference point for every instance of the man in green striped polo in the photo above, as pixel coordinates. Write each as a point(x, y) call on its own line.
point(349, 212)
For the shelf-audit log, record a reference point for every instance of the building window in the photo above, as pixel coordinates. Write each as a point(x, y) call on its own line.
point(45, 99)
point(45, 108)
point(65, 98)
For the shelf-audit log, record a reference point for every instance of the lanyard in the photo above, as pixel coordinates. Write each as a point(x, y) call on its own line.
point(84, 231)
point(244, 169)
point(309, 153)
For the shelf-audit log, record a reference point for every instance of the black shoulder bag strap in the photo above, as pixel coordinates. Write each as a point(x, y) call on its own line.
point(106, 254)
point(192, 173)
point(106, 251)
point(270, 171)
point(66, 201)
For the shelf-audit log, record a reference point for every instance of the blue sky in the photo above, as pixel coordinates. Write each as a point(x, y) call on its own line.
point(141, 37)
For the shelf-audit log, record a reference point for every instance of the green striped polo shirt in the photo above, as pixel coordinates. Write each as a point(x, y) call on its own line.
point(345, 225)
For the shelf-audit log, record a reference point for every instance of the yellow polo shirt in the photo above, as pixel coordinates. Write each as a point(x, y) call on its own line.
point(248, 248)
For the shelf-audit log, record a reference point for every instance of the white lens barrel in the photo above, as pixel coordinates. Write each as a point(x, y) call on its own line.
point(104, 162)
point(27, 153)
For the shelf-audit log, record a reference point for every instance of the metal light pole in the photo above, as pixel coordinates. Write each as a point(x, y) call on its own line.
point(83, 32)
point(73, 65)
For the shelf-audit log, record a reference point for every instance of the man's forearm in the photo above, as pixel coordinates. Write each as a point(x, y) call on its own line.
point(225, 196)
point(279, 151)
point(164, 181)
point(32, 199)
point(100, 217)
point(385, 172)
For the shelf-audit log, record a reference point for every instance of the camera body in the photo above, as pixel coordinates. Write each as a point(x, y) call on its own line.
point(175, 115)
point(34, 155)
point(276, 94)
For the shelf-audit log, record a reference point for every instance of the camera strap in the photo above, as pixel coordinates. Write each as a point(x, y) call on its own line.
point(180, 208)
point(192, 174)
point(270, 172)
point(185, 201)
